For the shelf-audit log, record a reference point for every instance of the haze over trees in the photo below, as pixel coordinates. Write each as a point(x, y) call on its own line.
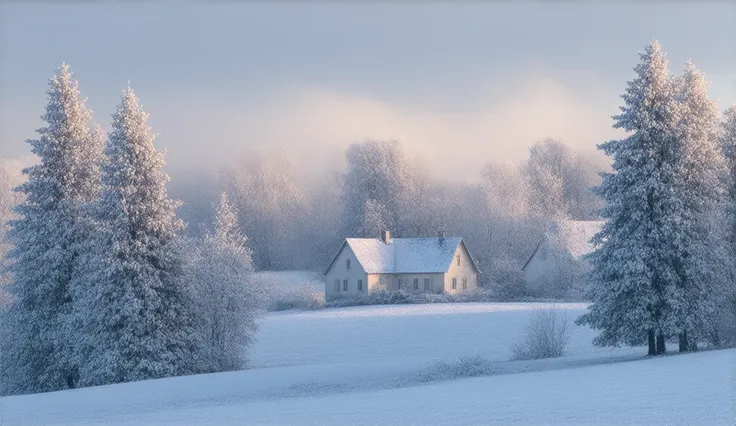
point(103, 282)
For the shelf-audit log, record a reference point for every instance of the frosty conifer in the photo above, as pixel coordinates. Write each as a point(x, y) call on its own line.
point(632, 268)
point(38, 353)
point(138, 321)
point(728, 148)
point(701, 170)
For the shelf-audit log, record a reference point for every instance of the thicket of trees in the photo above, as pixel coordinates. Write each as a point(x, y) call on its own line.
point(662, 269)
point(104, 286)
point(297, 223)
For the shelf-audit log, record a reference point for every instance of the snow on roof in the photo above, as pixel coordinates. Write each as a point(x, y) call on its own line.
point(404, 255)
point(575, 235)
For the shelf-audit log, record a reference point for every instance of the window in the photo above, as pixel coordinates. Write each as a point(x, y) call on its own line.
point(415, 283)
point(337, 285)
point(347, 264)
point(458, 260)
point(399, 283)
point(426, 283)
point(344, 285)
point(454, 283)
point(465, 283)
point(360, 285)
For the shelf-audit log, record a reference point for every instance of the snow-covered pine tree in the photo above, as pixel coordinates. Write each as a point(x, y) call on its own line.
point(38, 345)
point(699, 259)
point(632, 268)
point(725, 335)
point(728, 148)
point(139, 321)
point(228, 301)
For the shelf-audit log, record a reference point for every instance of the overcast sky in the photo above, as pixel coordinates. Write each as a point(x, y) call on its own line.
point(462, 84)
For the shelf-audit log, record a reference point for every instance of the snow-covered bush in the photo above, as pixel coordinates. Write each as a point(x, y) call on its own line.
point(465, 367)
point(291, 290)
point(303, 296)
point(545, 336)
point(382, 296)
point(507, 279)
point(227, 300)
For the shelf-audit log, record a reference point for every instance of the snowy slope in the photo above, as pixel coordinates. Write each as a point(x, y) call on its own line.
point(366, 365)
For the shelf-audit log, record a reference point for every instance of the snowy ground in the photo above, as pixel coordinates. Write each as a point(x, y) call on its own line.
point(394, 365)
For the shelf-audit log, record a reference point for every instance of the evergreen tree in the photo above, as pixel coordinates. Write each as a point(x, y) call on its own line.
point(725, 334)
point(38, 344)
point(728, 148)
point(633, 268)
point(227, 299)
point(699, 259)
point(138, 318)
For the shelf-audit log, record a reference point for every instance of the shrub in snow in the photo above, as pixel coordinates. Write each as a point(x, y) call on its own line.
point(545, 336)
point(467, 366)
point(291, 290)
point(382, 296)
point(306, 296)
point(507, 279)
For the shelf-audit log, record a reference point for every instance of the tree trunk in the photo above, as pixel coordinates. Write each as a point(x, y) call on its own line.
point(652, 345)
point(661, 347)
point(684, 347)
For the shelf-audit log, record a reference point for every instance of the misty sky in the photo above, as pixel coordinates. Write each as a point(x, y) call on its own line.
point(461, 84)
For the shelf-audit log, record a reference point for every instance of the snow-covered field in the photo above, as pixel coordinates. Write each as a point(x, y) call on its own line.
point(397, 365)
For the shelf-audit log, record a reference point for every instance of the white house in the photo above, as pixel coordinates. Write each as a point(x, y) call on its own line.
point(557, 263)
point(430, 265)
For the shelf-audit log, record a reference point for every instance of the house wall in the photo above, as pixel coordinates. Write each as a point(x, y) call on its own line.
point(407, 282)
point(339, 271)
point(376, 280)
point(463, 270)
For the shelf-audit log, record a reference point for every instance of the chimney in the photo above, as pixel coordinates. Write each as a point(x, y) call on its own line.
point(441, 236)
point(386, 237)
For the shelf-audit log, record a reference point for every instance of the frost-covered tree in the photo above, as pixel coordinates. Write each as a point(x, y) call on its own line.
point(374, 220)
point(11, 176)
point(560, 181)
point(728, 148)
point(37, 352)
point(379, 171)
point(138, 318)
point(726, 294)
point(545, 172)
point(271, 199)
point(228, 301)
point(634, 269)
point(701, 171)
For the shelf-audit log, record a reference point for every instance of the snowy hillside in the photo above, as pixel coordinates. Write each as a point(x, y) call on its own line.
point(398, 365)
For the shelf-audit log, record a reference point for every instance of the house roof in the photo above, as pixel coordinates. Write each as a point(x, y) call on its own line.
point(403, 255)
point(573, 236)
